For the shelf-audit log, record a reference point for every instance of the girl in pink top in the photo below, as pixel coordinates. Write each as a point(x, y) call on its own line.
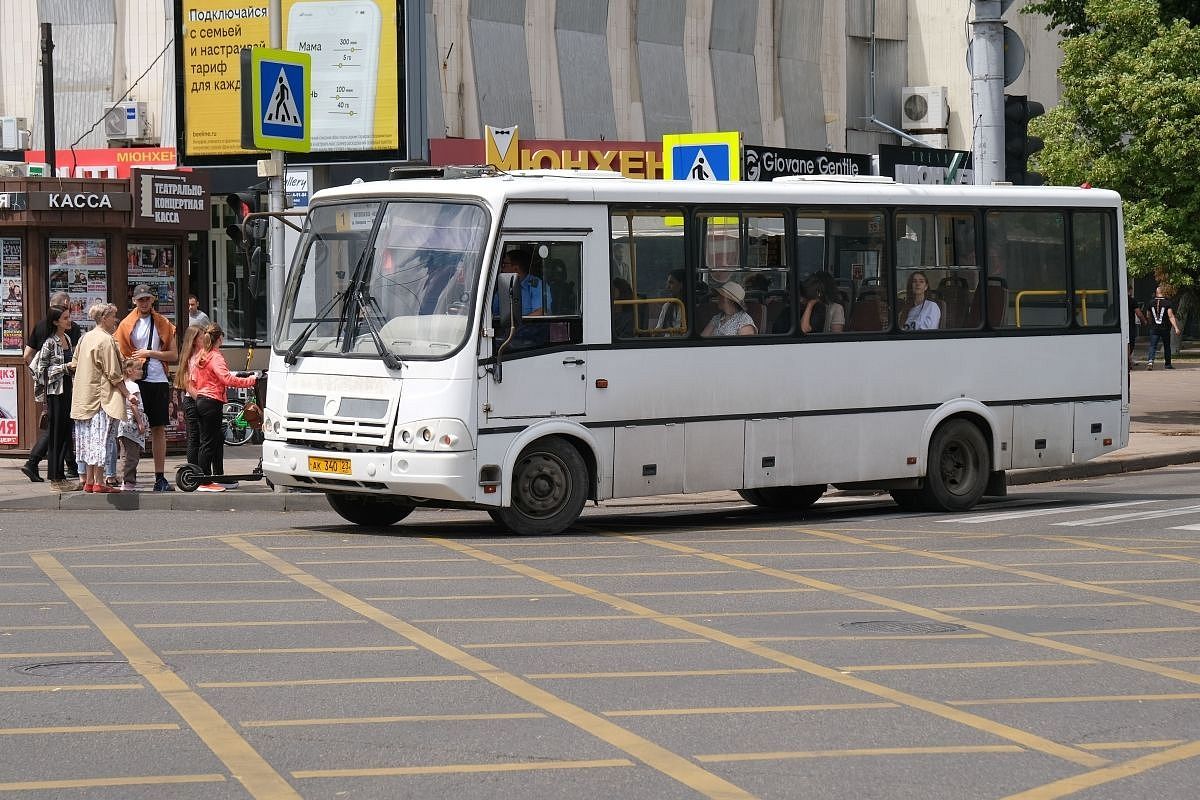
point(210, 377)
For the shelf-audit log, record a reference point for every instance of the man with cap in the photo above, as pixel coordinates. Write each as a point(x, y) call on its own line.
point(148, 335)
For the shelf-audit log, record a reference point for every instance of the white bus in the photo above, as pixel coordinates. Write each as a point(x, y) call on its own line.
point(411, 367)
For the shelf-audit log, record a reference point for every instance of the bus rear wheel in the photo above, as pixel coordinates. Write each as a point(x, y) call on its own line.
point(784, 498)
point(368, 511)
point(958, 468)
point(549, 488)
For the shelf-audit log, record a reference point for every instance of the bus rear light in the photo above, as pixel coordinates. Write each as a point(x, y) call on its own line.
point(490, 489)
point(601, 383)
point(1108, 442)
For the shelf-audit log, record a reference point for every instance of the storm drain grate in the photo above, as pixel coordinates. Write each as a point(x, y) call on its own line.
point(84, 669)
point(896, 626)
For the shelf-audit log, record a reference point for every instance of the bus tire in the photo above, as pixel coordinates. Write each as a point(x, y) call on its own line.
point(368, 511)
point(784, 498)
point(958, 468)
point(549, 489)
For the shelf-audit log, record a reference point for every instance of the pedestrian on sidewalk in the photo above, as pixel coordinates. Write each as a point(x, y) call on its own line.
point(210, 378)
point(131, 432)
point(1161, 315)
point(149, 335)
point(187, 393)
point(37, 337)
point(98, 402)
point(52, 386)
point(1136, 320)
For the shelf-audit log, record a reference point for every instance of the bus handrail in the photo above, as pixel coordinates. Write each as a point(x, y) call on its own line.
point(638, 329)
point(1082, 293)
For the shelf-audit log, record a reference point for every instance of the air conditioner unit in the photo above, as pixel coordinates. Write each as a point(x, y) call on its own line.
point(14, 133)
point(924, 108)
point(940, 141)
point(127, 121)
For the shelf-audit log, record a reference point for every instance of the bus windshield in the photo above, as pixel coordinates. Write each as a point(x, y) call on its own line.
point(396, 275)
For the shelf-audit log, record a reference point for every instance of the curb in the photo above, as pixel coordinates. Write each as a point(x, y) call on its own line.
point(277, 501)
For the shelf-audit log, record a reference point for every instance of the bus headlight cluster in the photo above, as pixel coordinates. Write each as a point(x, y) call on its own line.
point(431, 435)
point(271, 425)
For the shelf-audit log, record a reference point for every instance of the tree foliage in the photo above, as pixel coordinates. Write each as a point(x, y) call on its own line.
point(1129, 120)
point(1070, 17)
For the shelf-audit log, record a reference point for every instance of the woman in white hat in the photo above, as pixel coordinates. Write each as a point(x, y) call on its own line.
point(732, 319)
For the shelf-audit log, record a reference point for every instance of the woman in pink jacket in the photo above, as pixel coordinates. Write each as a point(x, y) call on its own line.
point(210, 377)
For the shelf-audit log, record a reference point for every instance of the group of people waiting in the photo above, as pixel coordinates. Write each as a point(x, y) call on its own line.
point(106, 391)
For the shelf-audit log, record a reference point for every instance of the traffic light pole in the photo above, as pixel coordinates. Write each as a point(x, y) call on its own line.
point(275, 267)
point(987, 91)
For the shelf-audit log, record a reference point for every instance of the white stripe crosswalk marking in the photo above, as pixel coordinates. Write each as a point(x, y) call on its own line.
point(1040, 512)
point(1185, 528)
point(1136, 516)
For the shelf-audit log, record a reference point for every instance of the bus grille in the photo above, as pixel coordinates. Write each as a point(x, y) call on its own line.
point(331, 430)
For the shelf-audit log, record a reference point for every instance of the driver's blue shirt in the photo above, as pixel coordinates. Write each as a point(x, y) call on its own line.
point(535, 295)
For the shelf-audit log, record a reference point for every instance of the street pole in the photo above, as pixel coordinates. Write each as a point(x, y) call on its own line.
point(276, 266)
point(48, 121)
point(987, 91)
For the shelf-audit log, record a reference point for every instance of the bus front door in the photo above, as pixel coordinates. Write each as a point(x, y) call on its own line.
point(543, 369)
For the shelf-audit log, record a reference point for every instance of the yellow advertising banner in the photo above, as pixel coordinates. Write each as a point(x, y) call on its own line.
point(355, 71)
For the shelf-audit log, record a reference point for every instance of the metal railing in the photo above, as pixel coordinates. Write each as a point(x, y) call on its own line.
point(1082, 294)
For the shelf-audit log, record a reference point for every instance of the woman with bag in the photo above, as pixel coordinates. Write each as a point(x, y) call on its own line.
point(98, 403)
point(210, 378)
point(52, 386)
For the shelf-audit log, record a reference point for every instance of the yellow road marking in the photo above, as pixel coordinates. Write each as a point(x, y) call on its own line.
point(1108, 563)
point(1172, 659)
point(722, 710)
point(239, 602)
point(671, 764)
point(167, 565)
point(1114, 631)
point(1027, 606)
point(1049, 662)
point(717, 758)
point(249, 581)
point(1094, 698)
point(1128, 581)
point(584, 643)
point(664, 673)
point(556, 618)
point(96, 783)
point(1023, 738)
point(406, 597)
point(293, 723)
point(335, 681)
point(36, 603)
point(1126, 550)
point(243, 762)
point(264, 623)
point(267, 651)
point(1142, 745)
point(708, 592)
point(455, 769)
point(71, 654)
point(704, 614)
point(426, 578)
point(606, 557)
point(863, 637)
point(662, 573)
point(1077, 783)
point(130, 546)
point(921, 611)
point(115, 728)
point(78, 687)
point(43, 627)
point(990, 585)
point(383, 561)
point(394, 546)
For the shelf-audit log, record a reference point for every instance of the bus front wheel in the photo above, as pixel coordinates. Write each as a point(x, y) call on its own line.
point(789, 498)
point(549, 489)
point(958, 469)
point(368, 511)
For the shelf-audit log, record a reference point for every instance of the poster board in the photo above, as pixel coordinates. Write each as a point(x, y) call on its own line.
point(153, 265)
point(79, 267)
point(12, 326)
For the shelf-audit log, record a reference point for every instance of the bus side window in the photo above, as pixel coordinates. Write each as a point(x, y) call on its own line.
point(648, 285)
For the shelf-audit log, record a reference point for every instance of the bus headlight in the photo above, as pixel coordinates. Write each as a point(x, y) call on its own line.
point(432, 435)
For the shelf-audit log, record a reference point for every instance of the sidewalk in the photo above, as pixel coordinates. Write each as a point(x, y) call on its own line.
point(1164, 430)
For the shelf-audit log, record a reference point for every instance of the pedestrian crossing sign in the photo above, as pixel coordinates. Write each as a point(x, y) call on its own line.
point(279, 90)
point(702, 156)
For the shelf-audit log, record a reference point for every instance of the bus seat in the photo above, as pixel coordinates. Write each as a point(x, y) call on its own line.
point(956, 299)
point(997, 292)
point(865, 314)
point(758, 313)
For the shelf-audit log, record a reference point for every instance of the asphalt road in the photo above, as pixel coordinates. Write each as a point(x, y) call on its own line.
point(1041, 646)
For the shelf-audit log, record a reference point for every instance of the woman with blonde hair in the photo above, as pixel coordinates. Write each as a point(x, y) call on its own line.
point(98, 397)
point(210, 378)
point(187, 394)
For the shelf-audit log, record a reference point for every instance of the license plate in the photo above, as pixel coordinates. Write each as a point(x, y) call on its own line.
point(337, 466)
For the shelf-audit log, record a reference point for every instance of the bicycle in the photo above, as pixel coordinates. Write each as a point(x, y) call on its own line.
point(235, 428)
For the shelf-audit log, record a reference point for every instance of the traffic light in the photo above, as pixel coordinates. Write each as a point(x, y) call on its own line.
point(1018, 144)
point(241, 205)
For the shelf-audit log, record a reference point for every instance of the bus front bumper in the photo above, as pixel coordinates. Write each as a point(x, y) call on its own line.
point(446, 476)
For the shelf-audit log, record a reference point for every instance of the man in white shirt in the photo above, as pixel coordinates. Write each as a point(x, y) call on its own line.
point(195, 315)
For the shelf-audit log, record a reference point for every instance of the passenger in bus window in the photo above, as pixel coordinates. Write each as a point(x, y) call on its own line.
point(668, 315)
point(920, 311)
point(822, 312)
point(732, 319)
point(622, 314)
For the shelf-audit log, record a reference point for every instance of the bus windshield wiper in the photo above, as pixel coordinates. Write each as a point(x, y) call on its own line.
point(294, 349)
point(364, 304)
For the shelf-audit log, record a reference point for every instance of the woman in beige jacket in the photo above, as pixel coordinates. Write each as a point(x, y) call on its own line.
point(98, 396)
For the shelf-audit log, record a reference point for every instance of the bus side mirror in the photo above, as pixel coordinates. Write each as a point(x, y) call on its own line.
point(508, 309)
